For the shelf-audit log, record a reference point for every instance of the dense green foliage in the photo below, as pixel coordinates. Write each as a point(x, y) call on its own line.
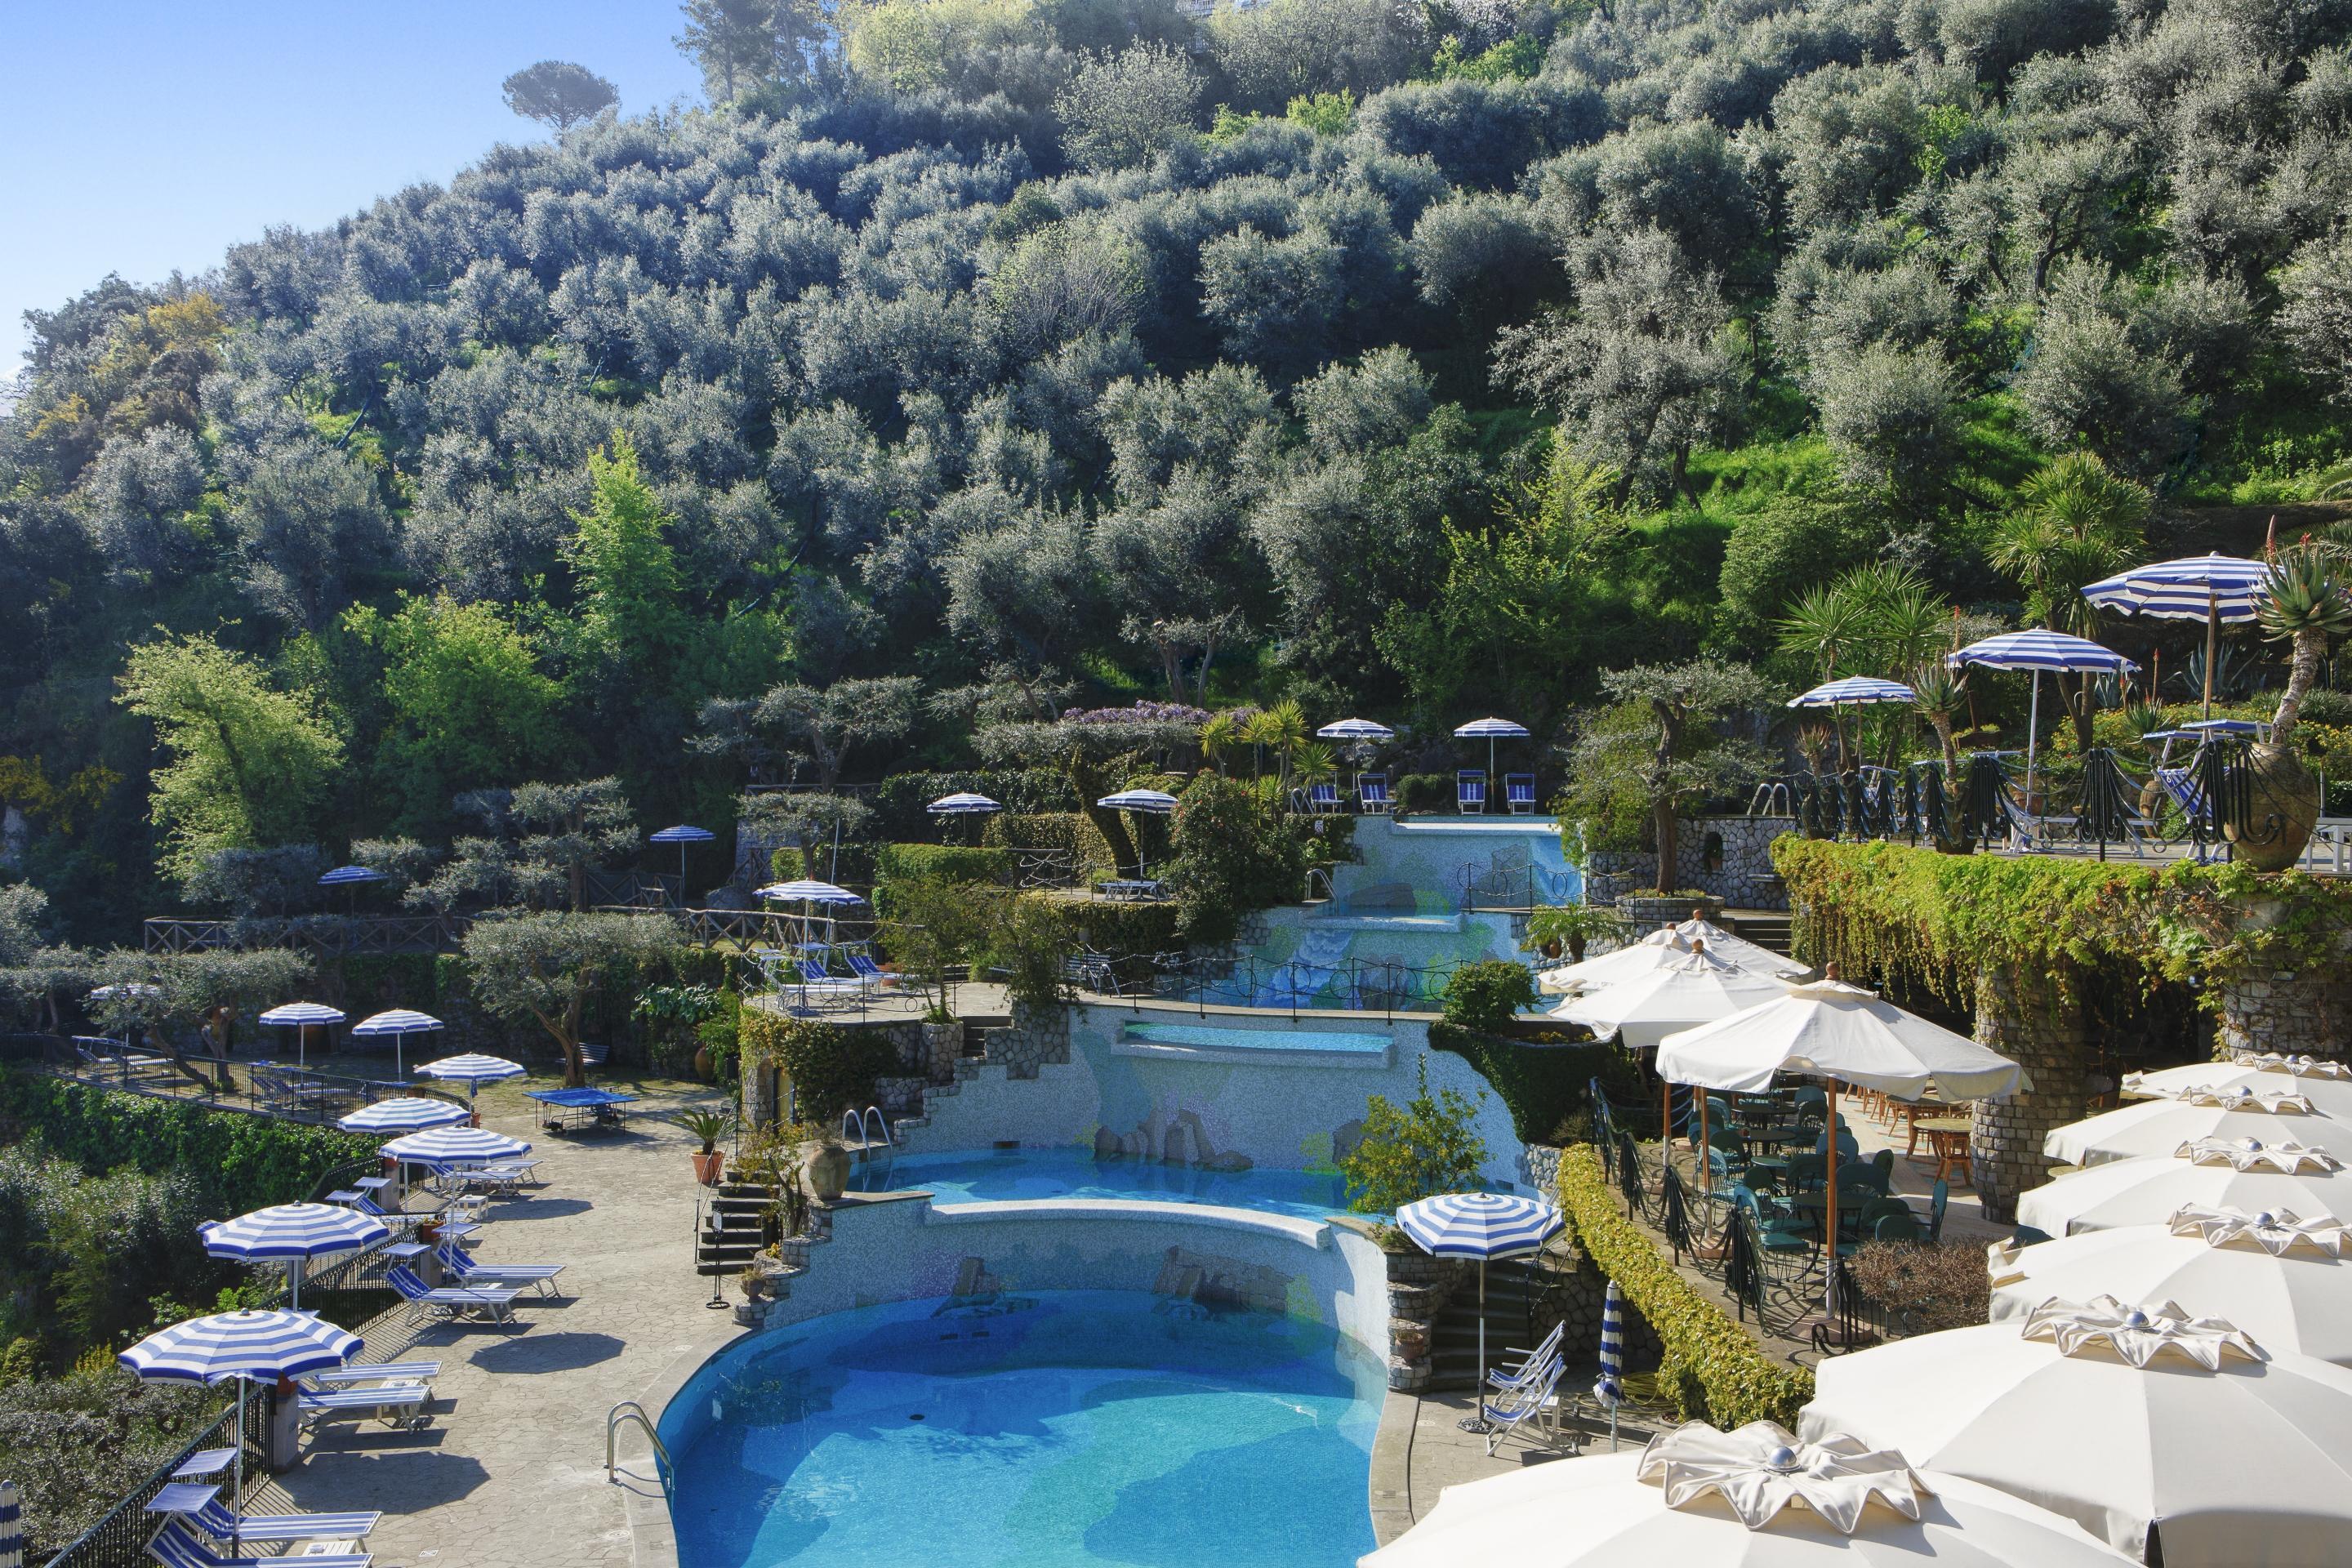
point(1233, 850)
point(830, 1067)
point(1545, 1084)
point(1486, 996)
point(1428, 1145)
point(967, 359)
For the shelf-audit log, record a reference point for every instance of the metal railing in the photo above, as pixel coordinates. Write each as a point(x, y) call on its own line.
point(119, 1539)
point(620, 1416)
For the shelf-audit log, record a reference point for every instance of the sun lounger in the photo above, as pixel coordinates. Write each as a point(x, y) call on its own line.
point(177, 1545)
point(1372, 793)
point(471, 1275)
point(399, 1406)
point(1531, 1362)
point(377, 1371)
point(866, 969)
point(220, 1521)
point(1322, 799)
point(485, 1305)
point(1469, 791)
point(1519, 792)
point(1507, 1411)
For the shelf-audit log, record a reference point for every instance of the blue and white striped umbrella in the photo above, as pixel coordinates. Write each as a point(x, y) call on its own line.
point(300, 1016)
point(291, 1232)
point(1356, 730)
point(809, 893)
point(473, 1071)
point(410, 1113)
point(1854, 688)
point(350, 876)
point(2038, 651)
point(2226, 588)
point(1479, 1225)
point(1150, 802)
point(456, 1146)
point(1491, 730)
point(684, 833)
point(963, 803)
point(1611, 1390)
point(399, 1022)
point(244, 1344)
point(12, 1527)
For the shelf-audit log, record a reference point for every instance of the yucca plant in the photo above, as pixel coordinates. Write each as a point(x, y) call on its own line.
point(2306, 607)
point(1939, 693)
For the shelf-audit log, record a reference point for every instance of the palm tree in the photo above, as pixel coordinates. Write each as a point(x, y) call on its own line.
point(2080, 522)
point(1939, 693)
point(2309, 603)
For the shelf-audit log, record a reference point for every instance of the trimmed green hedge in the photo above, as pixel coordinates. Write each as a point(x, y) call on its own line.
point(1546, 1088)
point(947, 862)
point(1072, 832)
point(833, 1065)
point(243, 1161)
point(1712, 1369)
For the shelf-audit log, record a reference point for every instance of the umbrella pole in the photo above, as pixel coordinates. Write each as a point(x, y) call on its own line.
point(1705, 1177)
point(1829, 1241)
point(236, 1498)
point(1477, 1420)
point(2212, 641)
point(293, 1284)
point(2033, 736)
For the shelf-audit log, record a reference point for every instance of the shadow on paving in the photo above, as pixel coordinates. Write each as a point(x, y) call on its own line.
point(559, 1352)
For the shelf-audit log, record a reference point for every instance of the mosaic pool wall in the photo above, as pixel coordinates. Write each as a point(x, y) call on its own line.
point(1274, 1093)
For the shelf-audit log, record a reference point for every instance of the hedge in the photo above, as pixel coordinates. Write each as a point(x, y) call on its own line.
point(1543, 1086)
point(951, 863)
point(1072, 832)
point(833, 1067)
point(1712, 1369)
point(243, 1161)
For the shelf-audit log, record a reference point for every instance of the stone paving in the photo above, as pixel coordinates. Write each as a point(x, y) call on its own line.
point(510, 1473)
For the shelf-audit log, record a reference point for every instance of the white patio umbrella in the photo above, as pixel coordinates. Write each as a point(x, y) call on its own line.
point(293, 1234)
point(2120, 1416)
point(1491, 731)
point(455, 1146)
point(472, 1069)
point(1482, 1226)
point(399, 1022)
point(303, 1017)
point(2160, 1126)
point(1140, 803)
point(405, 1113)
point(1732, 948)
point(1660, 948)
point(809, 894)
point(2208, 588)
point(2326, 1084)
point(1359, 730)
point(2148, 1189)
point(239, 1346)
point(2286, 1281)
point(1858, 690)
point(963, 803)
point(2038, 652)
point(1839, 1033)
point(1755, 1497)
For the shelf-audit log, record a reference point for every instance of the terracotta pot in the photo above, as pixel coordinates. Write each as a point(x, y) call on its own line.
point(702, 1063)
point(2285, 809)
point(1551, 949)
point(828, 1172)
point(709, 1167)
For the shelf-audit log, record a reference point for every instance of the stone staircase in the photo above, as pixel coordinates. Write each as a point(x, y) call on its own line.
point(1512, 1318)
point(1765, 928)
point(732, 1219)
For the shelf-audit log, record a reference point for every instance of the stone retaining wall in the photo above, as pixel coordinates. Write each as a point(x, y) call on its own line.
point(2036, 1021)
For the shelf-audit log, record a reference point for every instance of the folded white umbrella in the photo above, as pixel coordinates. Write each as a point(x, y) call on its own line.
point(1621, 964)
point(1755, 1497)
point(1737, 950)
point(2119, 1418)
point(2328, 1085)
point(2285, 1281)
point(2160, 1126)
point(2149, 1189)
point(1696, 987)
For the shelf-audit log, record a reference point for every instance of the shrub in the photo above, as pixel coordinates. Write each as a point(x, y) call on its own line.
point(830, 1067)
point(1232, 852)
point(1546, 1088)
point(1488, 994)
point(1427, 1146)
point(1031, 950)
point(1073, 833)
point(75, 1444)
point(1926, 1289)
point(901, 863)
point(1416, 792)
point(1711, 1368)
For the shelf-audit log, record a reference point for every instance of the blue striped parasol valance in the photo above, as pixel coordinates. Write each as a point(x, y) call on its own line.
point(1491, 730)
point(1152, 802)
point(349, 875)
point(456, 1146)
point(2226, 588)
point(809, 893)
point(291, 1231)
point(1356, 730)
point(226, 1345)
point(1479, 1225)
point(410, 1113)
point(2041, 651)
point(397, 1021)
point(1854, 688)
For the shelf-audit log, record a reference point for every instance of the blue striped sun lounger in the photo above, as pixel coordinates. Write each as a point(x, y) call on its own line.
point(177, 1545)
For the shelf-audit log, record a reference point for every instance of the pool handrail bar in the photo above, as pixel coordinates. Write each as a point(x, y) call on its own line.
point(619, 1416)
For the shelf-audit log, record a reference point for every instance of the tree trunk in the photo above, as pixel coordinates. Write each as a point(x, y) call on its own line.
point(1091, 788)
point(575, 1069)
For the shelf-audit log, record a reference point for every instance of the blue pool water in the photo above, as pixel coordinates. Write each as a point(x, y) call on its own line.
point(1063, 1429)
point(1211, 1037)
point(968, 1176)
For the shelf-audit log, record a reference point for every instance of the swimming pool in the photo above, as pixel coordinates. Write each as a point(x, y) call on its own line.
point(1060, 1429)
point(981, 1176)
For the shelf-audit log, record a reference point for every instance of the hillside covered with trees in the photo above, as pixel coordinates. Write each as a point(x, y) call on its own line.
point(962, 361)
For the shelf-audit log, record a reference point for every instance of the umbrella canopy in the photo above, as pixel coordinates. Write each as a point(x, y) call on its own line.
point(456, 1146)
point(12, 1527)
point(399, 1022)
point(2149, 1189)
point(408, 1114)
point(1854, 688)
point(2200, 587)
point(2326, 1084)
point(809, 893)
point(349, 875)
point(473, 1071)
point(1356, 730)
point(228, 1345)
point(1479, 1225)
point(303, 1013)
point(2160, 1126)
point(1830, 1029)
point(963, 803)
point(1152, 801)
point(1491, 730)
point(1723, 944)
point(2283, 1281)
point(684, 833)
point(2040, 651)
point(1755, 1497)
point(291, 1232)
point(2115, 1416)
point(1696, 987)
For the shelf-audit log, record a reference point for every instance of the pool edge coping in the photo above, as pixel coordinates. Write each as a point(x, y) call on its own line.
point(653, 1533)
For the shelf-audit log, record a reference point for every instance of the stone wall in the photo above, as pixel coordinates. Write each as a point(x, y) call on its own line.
point(2305, 1013)
point(1037, 1037)
point(1741, 849)
point(1420, 1289)
point(2037, 1022)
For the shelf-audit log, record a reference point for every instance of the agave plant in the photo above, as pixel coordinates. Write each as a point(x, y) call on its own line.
point(2307, 605)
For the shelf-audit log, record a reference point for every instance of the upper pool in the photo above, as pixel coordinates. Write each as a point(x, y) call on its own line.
point(973, 1175)
point(1060, 1429)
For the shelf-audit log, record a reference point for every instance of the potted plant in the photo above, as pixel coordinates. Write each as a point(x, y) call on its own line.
point(2306, 606)
point(709, 1125)
point(1570, 926)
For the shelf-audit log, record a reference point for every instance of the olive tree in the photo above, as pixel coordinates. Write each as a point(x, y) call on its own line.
point(1667, 737)
point(544, 966)
point(1121, 109)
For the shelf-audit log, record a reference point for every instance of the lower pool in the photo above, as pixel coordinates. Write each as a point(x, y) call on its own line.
point(1062, 1430)
point(970, 1175)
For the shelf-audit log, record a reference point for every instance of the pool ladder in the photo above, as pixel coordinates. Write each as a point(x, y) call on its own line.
point(620, 1416)
point(867, 1129)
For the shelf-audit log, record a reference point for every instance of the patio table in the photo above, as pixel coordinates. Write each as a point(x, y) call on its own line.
point(204, 1462)
point(1948, 1145)
point(583, 1110)
point(1910, 1113)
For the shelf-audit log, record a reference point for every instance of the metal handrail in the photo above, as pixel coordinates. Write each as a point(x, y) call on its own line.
point(1318, 874)
point(630, 1410)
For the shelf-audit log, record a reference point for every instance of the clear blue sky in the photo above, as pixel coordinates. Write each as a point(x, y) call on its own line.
point(138, 137)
